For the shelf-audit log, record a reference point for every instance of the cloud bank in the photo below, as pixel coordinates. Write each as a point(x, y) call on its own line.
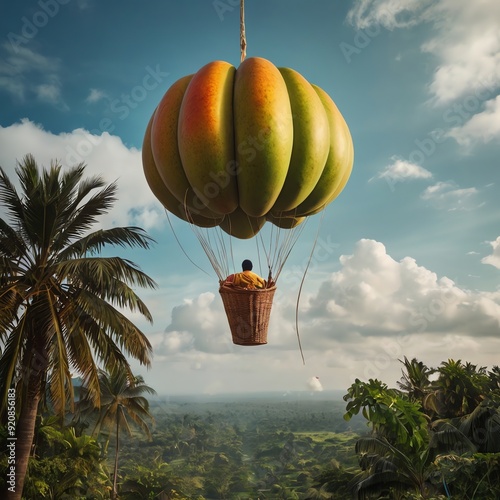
point(104, 155)
point(371, 312)
point(465, 43)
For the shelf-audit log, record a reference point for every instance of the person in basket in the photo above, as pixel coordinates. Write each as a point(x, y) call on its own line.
point(247, 278)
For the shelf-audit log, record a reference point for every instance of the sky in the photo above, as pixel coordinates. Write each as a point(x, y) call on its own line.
point(407, 258)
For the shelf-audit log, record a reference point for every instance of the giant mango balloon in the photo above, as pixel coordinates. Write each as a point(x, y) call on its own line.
point(237, 148)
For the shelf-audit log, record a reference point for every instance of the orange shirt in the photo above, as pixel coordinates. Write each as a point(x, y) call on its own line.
point(247, 279)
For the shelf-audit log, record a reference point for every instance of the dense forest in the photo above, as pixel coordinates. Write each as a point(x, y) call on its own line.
point(435, 436)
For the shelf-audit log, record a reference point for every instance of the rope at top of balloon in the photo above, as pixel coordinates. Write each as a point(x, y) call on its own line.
point(243, 38)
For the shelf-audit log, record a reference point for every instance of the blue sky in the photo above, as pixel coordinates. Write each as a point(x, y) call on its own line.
point(408, 256)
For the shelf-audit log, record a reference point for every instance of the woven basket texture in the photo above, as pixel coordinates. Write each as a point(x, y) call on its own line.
point(248, 313)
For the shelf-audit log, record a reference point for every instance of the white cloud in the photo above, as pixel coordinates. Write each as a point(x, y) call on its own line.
point(371, 295)
point(494, 258)
point(467, 46)
point(104, 155)
point(197, 324)
point(359, 321)
point(49, 92)
point(26, 74)
point(449, 196)
point(465, 43)
point(95, 95)
point(388, 13)
point(481, 127)
point(401, 170)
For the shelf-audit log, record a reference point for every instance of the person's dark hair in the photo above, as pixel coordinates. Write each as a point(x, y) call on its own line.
point(247, 265)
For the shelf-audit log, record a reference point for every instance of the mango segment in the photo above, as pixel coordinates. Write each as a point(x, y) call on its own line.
point(161, 191)
point(285, 222)
point(263, 128)
point(311, 141)
point(242, 225)
point(165, 149)
point(339, 163)
point(206, 136)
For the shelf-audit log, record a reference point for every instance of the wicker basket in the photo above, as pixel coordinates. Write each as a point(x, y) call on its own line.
point(248, 313)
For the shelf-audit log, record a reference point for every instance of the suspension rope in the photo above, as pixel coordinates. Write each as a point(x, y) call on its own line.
point(301, 285)
point(180, 245)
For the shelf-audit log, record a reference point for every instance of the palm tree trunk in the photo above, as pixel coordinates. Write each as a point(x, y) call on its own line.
point(115, 474)
point(25, 433)
point(35, 366)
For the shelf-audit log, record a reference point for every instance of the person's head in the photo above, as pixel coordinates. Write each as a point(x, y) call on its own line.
point(247, 265)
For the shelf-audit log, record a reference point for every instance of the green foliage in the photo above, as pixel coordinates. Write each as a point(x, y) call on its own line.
point(53, 284)
point(415, 381)
point(389, 412)
point(121, 404)
point(474, 477)
point(458, 389)
point(425, 437)
point(239, 450)
point(61, 303)
point(155, 478)
point(66, 465)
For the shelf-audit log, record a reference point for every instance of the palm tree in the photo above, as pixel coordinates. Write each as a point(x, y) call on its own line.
point(458, 389)
point(385, 467)
point(122, 403)
point(416, 379)
point(60, 302)
point(482, 427)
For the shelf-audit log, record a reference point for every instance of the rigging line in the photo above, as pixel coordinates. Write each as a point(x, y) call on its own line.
point(265, 250)
point(286, 243)
point(230, 240)
point(279, 247)
point(214, 251)
point(297, 231)
point(301, 285)
point(212, 247)
point(203, 243)
point(289, 240)
point(292, 236)
point(219, 241)
point(201, 238)
point(181, 247)
point(276, 231)
point(258, 255)
point(276, 247)
point(270, 259)
point(204, 240)
point(223, 254)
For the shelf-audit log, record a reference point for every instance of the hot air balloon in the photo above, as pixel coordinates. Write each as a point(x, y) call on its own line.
point(235, 149)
